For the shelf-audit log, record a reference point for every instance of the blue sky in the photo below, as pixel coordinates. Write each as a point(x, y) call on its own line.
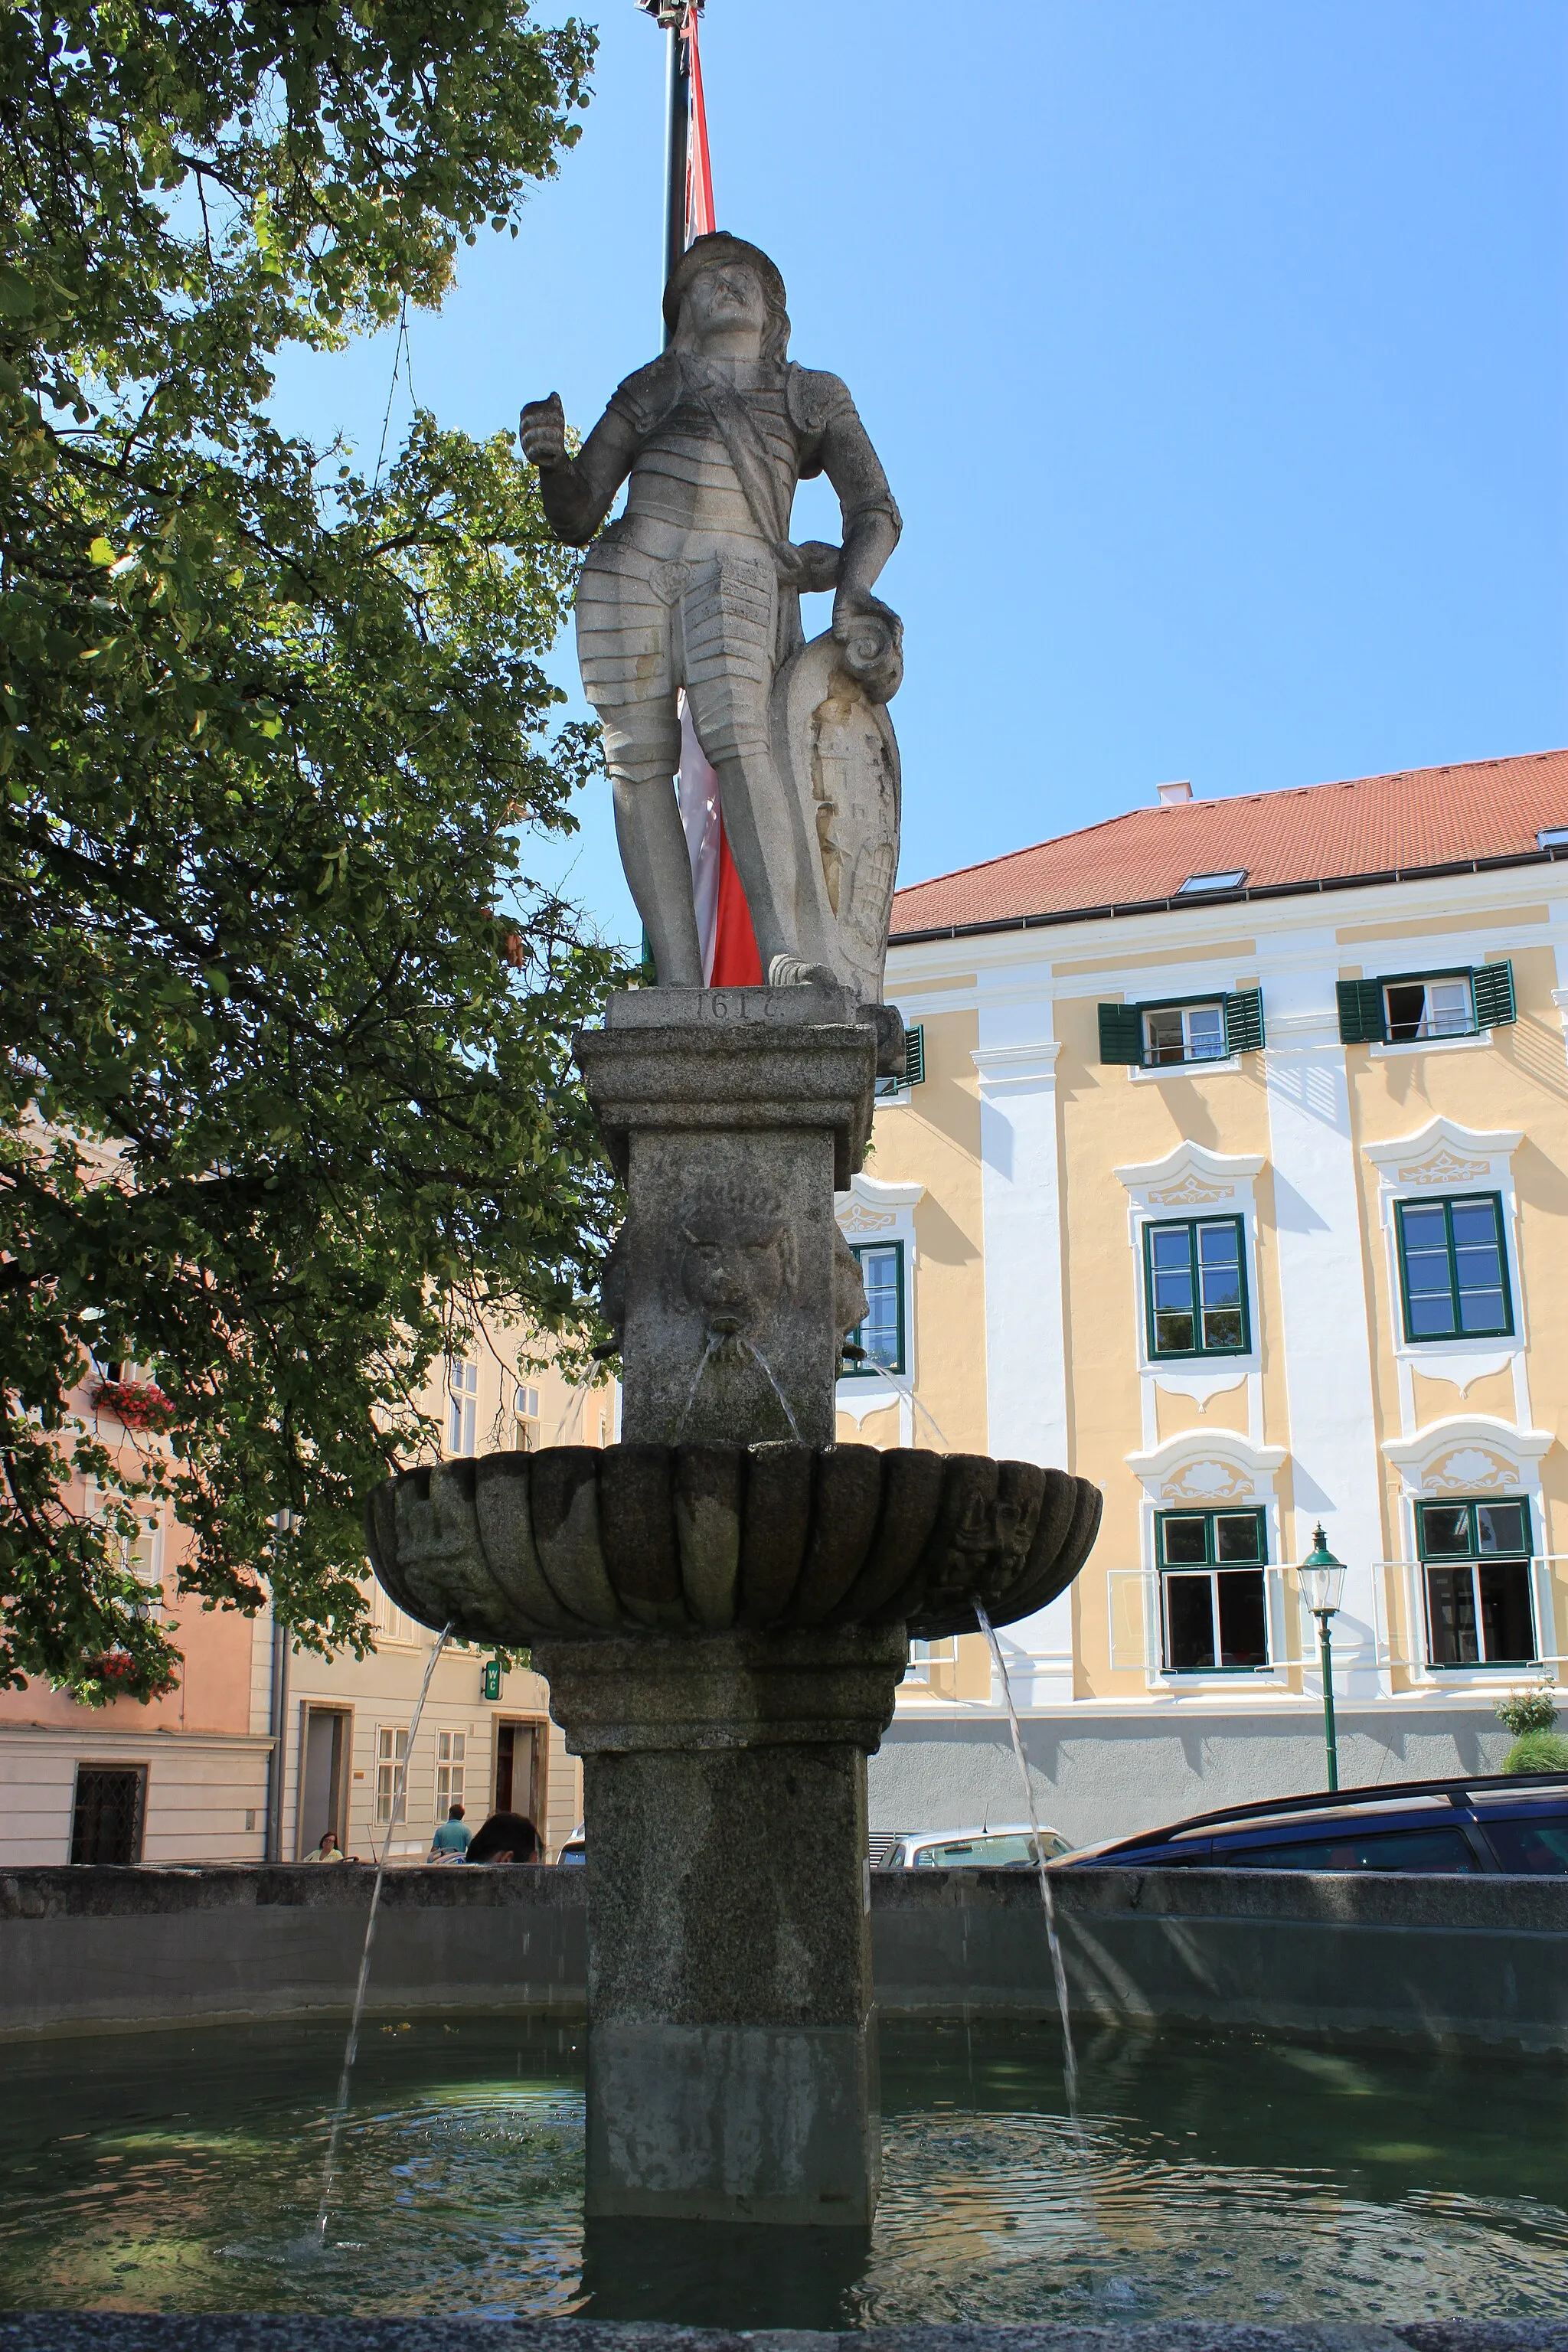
point(1215, 353)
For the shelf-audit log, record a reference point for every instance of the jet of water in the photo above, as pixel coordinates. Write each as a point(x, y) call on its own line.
point(575, 1396)
point(1059, 1966)
point(758, 1356)
point(906, 1388)
point(710, 1350)
point(350, 2048)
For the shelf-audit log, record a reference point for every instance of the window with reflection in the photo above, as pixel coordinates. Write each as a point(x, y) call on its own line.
point(880, 1336)
point(1475, 1564)
point(1214, 1612)
point(1453, 1268)
point(1195, 1284)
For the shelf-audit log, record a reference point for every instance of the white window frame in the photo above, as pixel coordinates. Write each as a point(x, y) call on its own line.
point(391, 1749)
point(1444, 1161)
point(451, 1769)
point(463, 1405)
point(1205, 1470)
point(1194, 1182)
point(1430, 980)
point(1464, 1458)
point(1184, 1011)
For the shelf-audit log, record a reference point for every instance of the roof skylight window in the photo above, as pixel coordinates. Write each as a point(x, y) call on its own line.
point(1552, 837)
point(1201, 886)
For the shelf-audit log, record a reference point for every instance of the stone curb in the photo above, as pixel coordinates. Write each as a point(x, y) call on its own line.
point(114, 2331)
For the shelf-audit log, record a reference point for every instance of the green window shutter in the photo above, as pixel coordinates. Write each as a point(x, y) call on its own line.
point(1244, 1021)
point(915, 1055)
point(1491, 987)
point(1121, 1034)
point(1361, 1018)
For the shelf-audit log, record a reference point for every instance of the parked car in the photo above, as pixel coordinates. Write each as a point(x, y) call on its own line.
point(575, 1848)
point(1516, 1823)
point(1009, 1846)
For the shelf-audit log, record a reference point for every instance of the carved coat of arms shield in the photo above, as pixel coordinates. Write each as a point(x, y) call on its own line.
point(838, 756)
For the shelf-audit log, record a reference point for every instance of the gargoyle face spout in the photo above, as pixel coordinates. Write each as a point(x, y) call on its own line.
point(733, 1259)
point(732, 1285)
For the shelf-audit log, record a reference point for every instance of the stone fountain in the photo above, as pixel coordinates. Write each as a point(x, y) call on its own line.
point(722, 1602)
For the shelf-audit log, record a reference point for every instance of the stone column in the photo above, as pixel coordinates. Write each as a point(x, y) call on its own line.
point(732, 2059)
point(733, 1115)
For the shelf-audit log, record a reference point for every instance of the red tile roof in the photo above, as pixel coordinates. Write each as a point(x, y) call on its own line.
point(1421, 821)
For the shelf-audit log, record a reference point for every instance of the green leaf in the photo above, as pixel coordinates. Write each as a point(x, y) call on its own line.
point(265, 781)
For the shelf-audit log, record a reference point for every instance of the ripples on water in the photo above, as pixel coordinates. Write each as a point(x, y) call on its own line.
point(178, 2172)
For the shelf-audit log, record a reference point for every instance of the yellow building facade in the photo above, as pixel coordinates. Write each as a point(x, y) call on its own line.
point(1234, 1176)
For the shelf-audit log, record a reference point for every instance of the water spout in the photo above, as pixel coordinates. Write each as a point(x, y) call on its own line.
point(1059, 1966)
point(350, 2048)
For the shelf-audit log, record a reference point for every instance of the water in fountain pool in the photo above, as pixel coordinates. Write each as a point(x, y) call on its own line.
point(179, 2171)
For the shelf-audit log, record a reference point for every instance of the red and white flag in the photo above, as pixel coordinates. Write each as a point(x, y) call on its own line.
point(730, 957)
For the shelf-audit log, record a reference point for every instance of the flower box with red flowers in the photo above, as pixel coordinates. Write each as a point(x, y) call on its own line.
point(135, 1404)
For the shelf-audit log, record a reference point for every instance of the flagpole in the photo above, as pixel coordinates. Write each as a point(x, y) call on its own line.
point(677, 139)
point(671, 15)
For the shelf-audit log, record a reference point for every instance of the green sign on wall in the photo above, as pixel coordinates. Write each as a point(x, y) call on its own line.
point(492, 1678)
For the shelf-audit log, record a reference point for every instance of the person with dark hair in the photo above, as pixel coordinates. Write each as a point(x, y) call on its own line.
point(505, 1837)
point(452, 1839)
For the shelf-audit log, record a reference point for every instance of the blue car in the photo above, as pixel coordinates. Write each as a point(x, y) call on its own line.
point(1516, 1823)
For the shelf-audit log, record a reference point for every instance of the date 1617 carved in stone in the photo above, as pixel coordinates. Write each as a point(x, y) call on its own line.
point(698, 586)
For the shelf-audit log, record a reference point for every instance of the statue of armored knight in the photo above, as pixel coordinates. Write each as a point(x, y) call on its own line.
point(698, 586)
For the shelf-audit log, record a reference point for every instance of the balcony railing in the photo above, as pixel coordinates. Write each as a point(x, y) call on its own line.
point(1403, 1628)
point(1137, 1615)
point(1399, 1636)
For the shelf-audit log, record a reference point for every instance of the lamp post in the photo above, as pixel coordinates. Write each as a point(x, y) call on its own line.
point(285, 1522)
point(1323, 1580)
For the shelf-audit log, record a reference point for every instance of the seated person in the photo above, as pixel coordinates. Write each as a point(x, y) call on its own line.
point(328, 1849)
point(505, 1837)
point(452, 1839)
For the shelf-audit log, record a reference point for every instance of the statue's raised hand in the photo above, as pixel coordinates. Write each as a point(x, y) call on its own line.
point(541, 429)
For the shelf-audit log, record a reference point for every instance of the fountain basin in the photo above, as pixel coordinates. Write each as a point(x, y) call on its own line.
point(712, 1538)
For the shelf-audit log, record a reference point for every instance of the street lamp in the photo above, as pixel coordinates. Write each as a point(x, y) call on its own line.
point(1322, 1580)
point(285, 1523)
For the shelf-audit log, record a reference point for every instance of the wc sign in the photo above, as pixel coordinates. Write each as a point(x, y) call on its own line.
point(491, 1687)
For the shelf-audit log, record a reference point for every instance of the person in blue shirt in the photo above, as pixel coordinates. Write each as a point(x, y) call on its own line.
point(453, 1835)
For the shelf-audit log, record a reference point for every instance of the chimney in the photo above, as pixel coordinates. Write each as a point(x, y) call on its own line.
point(1174, 795)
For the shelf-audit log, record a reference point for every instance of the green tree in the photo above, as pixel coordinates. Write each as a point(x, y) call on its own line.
point(288, 1085)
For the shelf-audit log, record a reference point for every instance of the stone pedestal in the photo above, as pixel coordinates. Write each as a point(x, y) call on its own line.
point(733, 1115)
point(732, 2063)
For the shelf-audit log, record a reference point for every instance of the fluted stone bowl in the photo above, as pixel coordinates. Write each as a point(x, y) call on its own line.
point(697, 1539)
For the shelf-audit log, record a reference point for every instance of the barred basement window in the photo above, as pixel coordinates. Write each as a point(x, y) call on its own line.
point(1474, 1559)
point(109, 1812)
point(1453, 1269)
point(1195, 1285)
point(1212, 1608)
